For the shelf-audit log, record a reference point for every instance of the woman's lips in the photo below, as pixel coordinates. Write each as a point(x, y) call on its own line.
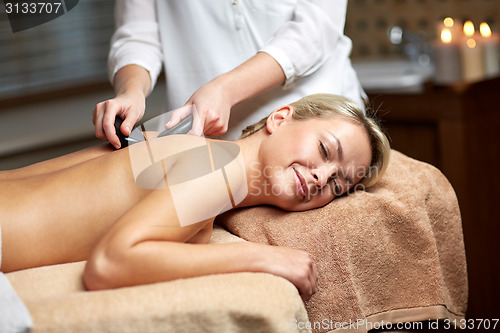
point(301, 184)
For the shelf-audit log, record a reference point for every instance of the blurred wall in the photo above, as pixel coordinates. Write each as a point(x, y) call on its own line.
point(368, 20)
point(70, 50)
point(51, 78)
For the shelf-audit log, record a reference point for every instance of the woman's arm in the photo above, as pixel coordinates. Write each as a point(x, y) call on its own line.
point(147, 245)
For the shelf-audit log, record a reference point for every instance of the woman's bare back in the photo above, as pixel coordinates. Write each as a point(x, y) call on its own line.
point(59, 216)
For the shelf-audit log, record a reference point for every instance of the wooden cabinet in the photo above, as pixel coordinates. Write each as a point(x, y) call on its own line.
point(457, 129)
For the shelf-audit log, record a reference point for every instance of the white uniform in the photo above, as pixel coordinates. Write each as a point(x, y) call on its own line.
point(197, 40)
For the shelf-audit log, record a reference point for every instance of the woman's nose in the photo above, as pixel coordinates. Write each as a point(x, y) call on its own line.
point(322, 175)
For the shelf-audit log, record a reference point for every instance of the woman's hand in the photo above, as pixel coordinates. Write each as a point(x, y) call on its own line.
point(128, 106)
point(294, 265)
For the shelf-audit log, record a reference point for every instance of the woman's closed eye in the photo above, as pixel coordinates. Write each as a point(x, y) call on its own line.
point(324, 153)
point(336, 187)
point(323, 150)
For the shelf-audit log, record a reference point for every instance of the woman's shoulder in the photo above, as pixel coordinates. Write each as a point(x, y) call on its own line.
point(227, 157)
point(196, 157)
point(210, 177)
point(172, 145)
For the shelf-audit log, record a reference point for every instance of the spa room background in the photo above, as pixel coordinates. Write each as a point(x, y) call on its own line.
point(51, 75)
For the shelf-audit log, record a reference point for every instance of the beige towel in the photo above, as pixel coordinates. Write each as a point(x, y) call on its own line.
point(238, 302)
point(392, 253)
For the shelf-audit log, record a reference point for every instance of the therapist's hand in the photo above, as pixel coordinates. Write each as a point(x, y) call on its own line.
point(215, 99)
point(129, 106)
point(132, 84)
point(211, 111)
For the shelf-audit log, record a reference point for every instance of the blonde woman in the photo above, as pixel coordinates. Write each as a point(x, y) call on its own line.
point(300, 157)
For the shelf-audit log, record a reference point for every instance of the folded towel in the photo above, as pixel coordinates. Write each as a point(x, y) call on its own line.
point(237, 302)
point(392, 253)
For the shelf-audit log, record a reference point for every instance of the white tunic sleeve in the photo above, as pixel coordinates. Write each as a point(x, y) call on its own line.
point(136, 39)
point(303, 44)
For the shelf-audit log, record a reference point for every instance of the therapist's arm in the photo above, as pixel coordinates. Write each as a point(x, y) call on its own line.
point(132, 84)
point(215, 99)
point(297, 49)
point(256, 75)
point(135, 41)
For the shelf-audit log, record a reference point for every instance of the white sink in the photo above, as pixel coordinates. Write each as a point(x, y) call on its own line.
point(392, 75)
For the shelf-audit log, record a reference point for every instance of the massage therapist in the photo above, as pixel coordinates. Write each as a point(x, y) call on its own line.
point(233, 59)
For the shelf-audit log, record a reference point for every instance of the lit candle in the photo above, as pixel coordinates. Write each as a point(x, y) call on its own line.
point(472, 55)
point(469, 29)
point(453, 25)
point(446, 59)
point(490, 43)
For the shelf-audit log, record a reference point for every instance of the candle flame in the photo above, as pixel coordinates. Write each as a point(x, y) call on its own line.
point(485, 30)
point(446, 35)
point(471, 43)
point(448, 22)
point(469, 29)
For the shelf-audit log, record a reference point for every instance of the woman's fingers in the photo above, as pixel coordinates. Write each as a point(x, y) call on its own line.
point(314, 280)
point(294, 265)
point(308, 278)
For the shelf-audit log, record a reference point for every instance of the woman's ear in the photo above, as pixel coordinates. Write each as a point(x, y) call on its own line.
point(278, 117)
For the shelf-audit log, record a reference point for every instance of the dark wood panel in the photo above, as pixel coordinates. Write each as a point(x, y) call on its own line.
point(419, 140)
point(456, 129)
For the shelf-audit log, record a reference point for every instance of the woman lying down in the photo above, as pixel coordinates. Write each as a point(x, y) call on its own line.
point(145, 213)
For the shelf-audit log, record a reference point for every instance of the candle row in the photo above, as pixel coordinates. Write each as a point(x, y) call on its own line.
point(461, 54)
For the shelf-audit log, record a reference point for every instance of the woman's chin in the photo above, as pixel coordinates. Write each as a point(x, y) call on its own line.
point(290, 204)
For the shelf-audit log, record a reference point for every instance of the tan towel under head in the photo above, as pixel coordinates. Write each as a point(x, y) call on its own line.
point(392, 253)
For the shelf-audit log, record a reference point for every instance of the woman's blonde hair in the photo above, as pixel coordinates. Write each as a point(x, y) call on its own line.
point(327, 105)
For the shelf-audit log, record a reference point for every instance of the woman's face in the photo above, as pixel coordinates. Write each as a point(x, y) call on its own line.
point(307, 163)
